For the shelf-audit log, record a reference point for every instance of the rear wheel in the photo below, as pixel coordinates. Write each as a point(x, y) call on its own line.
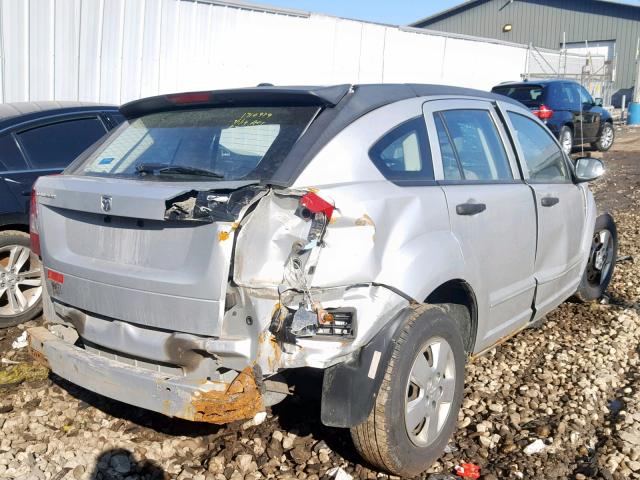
point(20, 279)
point(607, 136)
point(565, 137)
point(602, 260)
point(417, 405)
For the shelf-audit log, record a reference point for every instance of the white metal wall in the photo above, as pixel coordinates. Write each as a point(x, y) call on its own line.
point(117, 50)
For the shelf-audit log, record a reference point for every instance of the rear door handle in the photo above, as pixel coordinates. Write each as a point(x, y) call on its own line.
point(549, 201)
point(470, 208)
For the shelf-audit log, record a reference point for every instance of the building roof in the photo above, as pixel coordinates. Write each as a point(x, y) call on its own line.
point(471, 3)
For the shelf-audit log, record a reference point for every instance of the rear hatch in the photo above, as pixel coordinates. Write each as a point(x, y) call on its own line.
point(142, 229)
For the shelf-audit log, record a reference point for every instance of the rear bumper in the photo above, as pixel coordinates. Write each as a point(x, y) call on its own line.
point(212, 402)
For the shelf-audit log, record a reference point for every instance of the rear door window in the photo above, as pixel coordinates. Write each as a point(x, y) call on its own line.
point(471, 147)
point(55, 145)
point(234, 143)
point(10, 157)
point(403, 154)
point(542, 156)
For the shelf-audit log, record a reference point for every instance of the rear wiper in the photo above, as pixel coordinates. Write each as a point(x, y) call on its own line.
point(176, 170)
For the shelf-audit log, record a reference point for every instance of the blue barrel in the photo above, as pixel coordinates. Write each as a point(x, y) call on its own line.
point(634, 114)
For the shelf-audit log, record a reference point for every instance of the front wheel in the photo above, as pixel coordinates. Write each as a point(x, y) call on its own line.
point(20, 279)
point(607, 136)
point(602, 260)
point(416, 409)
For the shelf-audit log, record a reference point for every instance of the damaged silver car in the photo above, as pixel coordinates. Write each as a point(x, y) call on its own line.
point(384, 234)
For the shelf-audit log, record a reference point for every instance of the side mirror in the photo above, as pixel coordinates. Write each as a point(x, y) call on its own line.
point(598, 102)
point(588, 169)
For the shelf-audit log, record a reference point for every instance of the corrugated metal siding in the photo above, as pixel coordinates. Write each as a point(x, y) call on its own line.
point(118, 50)
point(542, 22)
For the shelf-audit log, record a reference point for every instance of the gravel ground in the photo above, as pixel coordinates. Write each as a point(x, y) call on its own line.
point(568, 387)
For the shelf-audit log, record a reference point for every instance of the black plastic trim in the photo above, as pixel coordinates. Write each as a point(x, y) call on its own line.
point(348, 393)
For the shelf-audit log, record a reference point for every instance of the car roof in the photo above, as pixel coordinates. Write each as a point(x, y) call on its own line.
point(19, 112)
point(340, 106)
point(534, 81)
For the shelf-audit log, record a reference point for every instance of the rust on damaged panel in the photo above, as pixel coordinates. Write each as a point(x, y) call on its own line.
point(240, 401)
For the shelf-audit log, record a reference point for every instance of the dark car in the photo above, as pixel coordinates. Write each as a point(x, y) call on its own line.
point(36, 138)
point(567, 109)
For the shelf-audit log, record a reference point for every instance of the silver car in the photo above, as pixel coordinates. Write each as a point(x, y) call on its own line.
point(384, 234)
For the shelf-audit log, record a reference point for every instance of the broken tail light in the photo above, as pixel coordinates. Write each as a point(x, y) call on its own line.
point(343, 324)
point(315, 204)
point(34, 234)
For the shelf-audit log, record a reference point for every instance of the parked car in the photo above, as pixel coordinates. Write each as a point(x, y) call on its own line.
point(381, 233)
point(567, 109)
point(36, 138)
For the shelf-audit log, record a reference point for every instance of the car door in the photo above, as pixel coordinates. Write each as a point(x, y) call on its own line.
point(52, 144)
point(16, 178)
point(491, 211)
point(590, 115)
point(560, 209)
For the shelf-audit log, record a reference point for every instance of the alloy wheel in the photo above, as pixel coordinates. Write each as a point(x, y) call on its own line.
point(430, 392)
point(607, 137)
point(601, 258)
point(20, 280)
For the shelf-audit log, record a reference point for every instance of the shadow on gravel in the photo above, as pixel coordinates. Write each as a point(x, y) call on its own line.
point(139, 416)
point(300, 414)
point(119, 463)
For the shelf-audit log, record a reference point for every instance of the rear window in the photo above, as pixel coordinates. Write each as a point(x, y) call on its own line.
point(530, 95)
point(238, 143)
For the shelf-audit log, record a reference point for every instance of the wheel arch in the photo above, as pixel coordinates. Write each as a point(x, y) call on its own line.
point(459, 292)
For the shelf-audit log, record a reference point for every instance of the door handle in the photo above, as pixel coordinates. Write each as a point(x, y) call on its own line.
point(470, 208)
point(549, 201)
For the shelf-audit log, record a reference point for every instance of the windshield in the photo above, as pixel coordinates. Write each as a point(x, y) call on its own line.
point(247, 143)
point(530, 95)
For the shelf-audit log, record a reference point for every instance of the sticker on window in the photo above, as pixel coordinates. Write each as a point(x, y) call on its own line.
point(106, 161)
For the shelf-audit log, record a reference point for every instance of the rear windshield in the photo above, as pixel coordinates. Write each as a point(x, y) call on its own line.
point(239, 143)
point(530, 95)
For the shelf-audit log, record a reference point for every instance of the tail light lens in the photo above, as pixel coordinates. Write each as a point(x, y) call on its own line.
point(543, 113)
point(316, 204)
point(34, 234)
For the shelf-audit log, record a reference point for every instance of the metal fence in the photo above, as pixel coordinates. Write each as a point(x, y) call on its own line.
point(594, 72)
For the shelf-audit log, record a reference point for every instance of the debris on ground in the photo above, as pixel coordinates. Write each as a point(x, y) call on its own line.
point(20, 342)
point(468, 470)
point(535, 447)
point(338, 473)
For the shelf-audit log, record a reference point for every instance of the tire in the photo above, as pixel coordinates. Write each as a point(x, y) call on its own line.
point(384, 439)
point(16, 308)
point(565, 137)
point(599, 270)
point(608, 135)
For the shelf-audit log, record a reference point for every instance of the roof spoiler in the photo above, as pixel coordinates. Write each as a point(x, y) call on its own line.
point(255, 96)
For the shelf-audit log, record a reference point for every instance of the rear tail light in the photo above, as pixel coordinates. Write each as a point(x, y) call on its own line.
point(34, 234)
point(543, 113)
point(315, 204)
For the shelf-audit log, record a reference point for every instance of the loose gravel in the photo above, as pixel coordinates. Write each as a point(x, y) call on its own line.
point(560, 401)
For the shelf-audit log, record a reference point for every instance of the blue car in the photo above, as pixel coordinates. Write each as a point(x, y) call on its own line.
point(36, 138)
point(567, 109)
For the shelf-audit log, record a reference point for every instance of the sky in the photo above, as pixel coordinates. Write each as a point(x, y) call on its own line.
point(395, 12)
